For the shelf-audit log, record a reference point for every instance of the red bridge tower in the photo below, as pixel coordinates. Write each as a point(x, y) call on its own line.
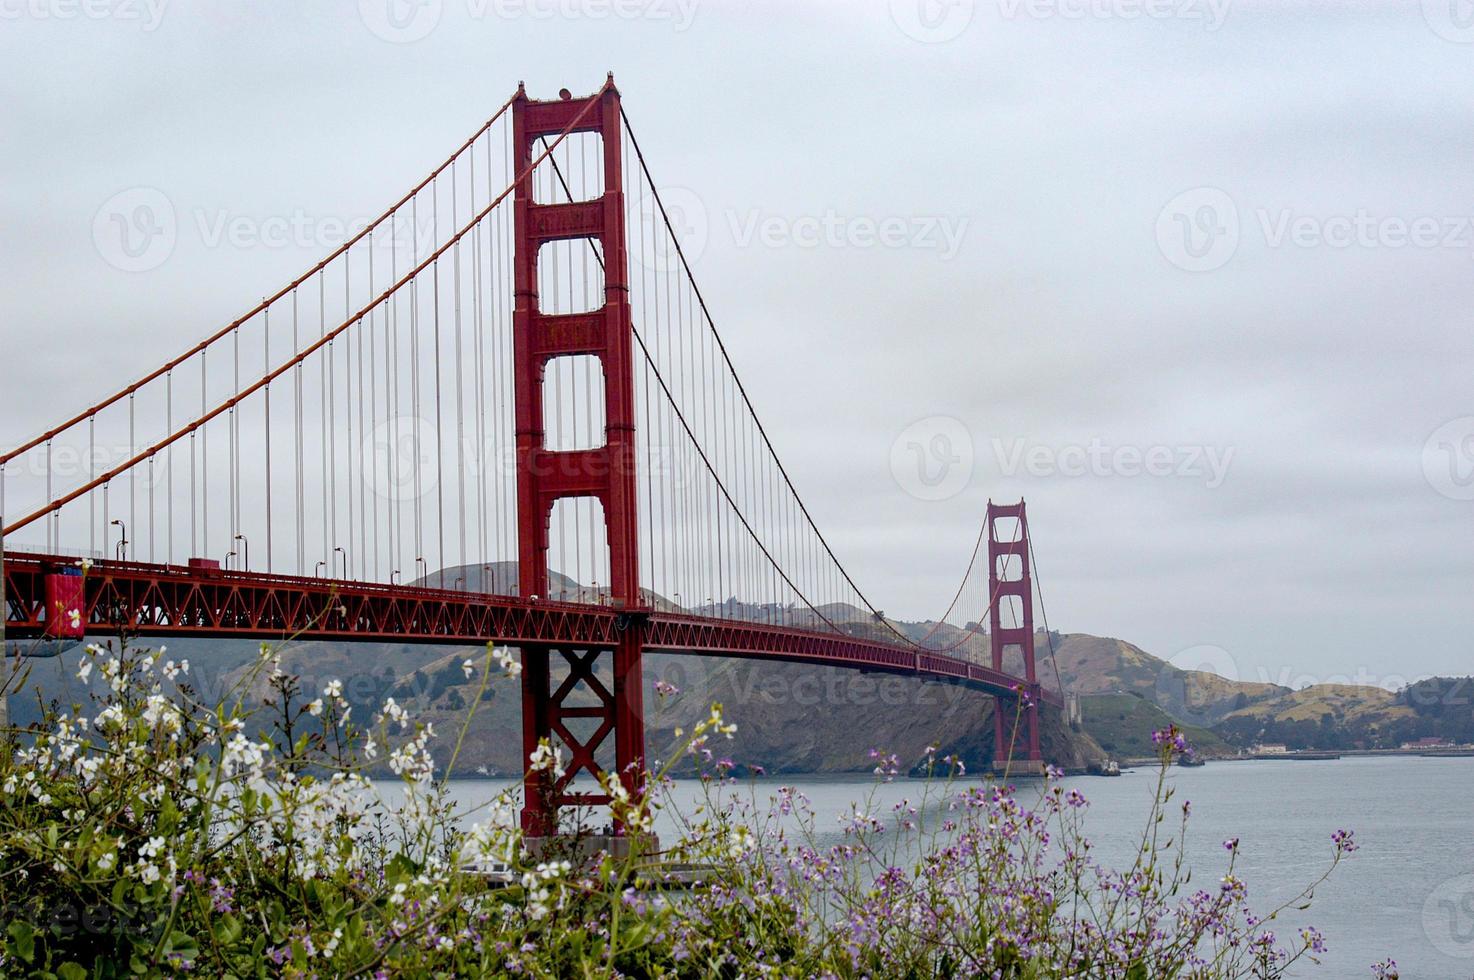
point(606, 473)
point(1009, 578)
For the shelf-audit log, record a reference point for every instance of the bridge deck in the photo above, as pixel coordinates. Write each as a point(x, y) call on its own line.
point(173, 600)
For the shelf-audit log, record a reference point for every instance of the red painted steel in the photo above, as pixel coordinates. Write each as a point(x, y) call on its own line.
point(180, 601)
point(202, 600)
point(606, 473)
point(63, 598)
point(1012, 554)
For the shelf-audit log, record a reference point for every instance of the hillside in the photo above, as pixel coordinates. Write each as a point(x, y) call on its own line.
point(1122, 724)
point(795, 718)
point(1326, 716)
point(791, 718)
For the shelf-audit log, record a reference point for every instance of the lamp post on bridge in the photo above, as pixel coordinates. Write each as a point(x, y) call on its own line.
point(120, 550)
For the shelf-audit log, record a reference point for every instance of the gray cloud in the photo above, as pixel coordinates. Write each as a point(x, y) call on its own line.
point(1059, 321)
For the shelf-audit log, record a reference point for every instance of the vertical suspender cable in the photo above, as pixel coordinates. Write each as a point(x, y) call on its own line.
point(459, 391)
point(266, 395)
point(439, 430)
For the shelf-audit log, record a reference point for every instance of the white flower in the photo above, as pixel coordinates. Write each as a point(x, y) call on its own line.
point(545, 758)
point(468, 667)
point(393, 712)
point(160, 712)
point(508, 663)
point(334, 689)
point(314, 708)
point(84, 671)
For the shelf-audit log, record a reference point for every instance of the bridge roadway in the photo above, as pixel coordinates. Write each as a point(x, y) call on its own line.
point(150, 600)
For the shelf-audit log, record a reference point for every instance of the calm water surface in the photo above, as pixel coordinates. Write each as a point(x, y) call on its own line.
point(1407, 893)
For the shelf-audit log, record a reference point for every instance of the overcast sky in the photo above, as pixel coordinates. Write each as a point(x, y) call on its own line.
point(1193, 278)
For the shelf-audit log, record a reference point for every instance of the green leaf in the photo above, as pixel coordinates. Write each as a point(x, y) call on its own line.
point(72, 971)
point(227, 930)
point(23, 940)
point(183, 944)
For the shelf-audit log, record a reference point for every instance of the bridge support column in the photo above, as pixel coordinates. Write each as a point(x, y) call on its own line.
point(606, 473)
point(1010, 582)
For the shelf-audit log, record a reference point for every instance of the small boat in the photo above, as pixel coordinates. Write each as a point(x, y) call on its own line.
point(1190, 761)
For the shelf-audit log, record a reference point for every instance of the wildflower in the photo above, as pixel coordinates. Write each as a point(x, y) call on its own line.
point(505, 660)
point(314, 707)
point(1344, 842)
point(545, 758)
point(1171, 739)
point(393, 712)
point(468, 667)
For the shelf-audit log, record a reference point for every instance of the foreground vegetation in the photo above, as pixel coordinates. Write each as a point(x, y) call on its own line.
point(149, 834)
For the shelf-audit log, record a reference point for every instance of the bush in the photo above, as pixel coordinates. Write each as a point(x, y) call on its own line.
point(150, 834)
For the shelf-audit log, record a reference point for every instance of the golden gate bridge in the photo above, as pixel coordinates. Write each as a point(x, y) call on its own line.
point(353, 458)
